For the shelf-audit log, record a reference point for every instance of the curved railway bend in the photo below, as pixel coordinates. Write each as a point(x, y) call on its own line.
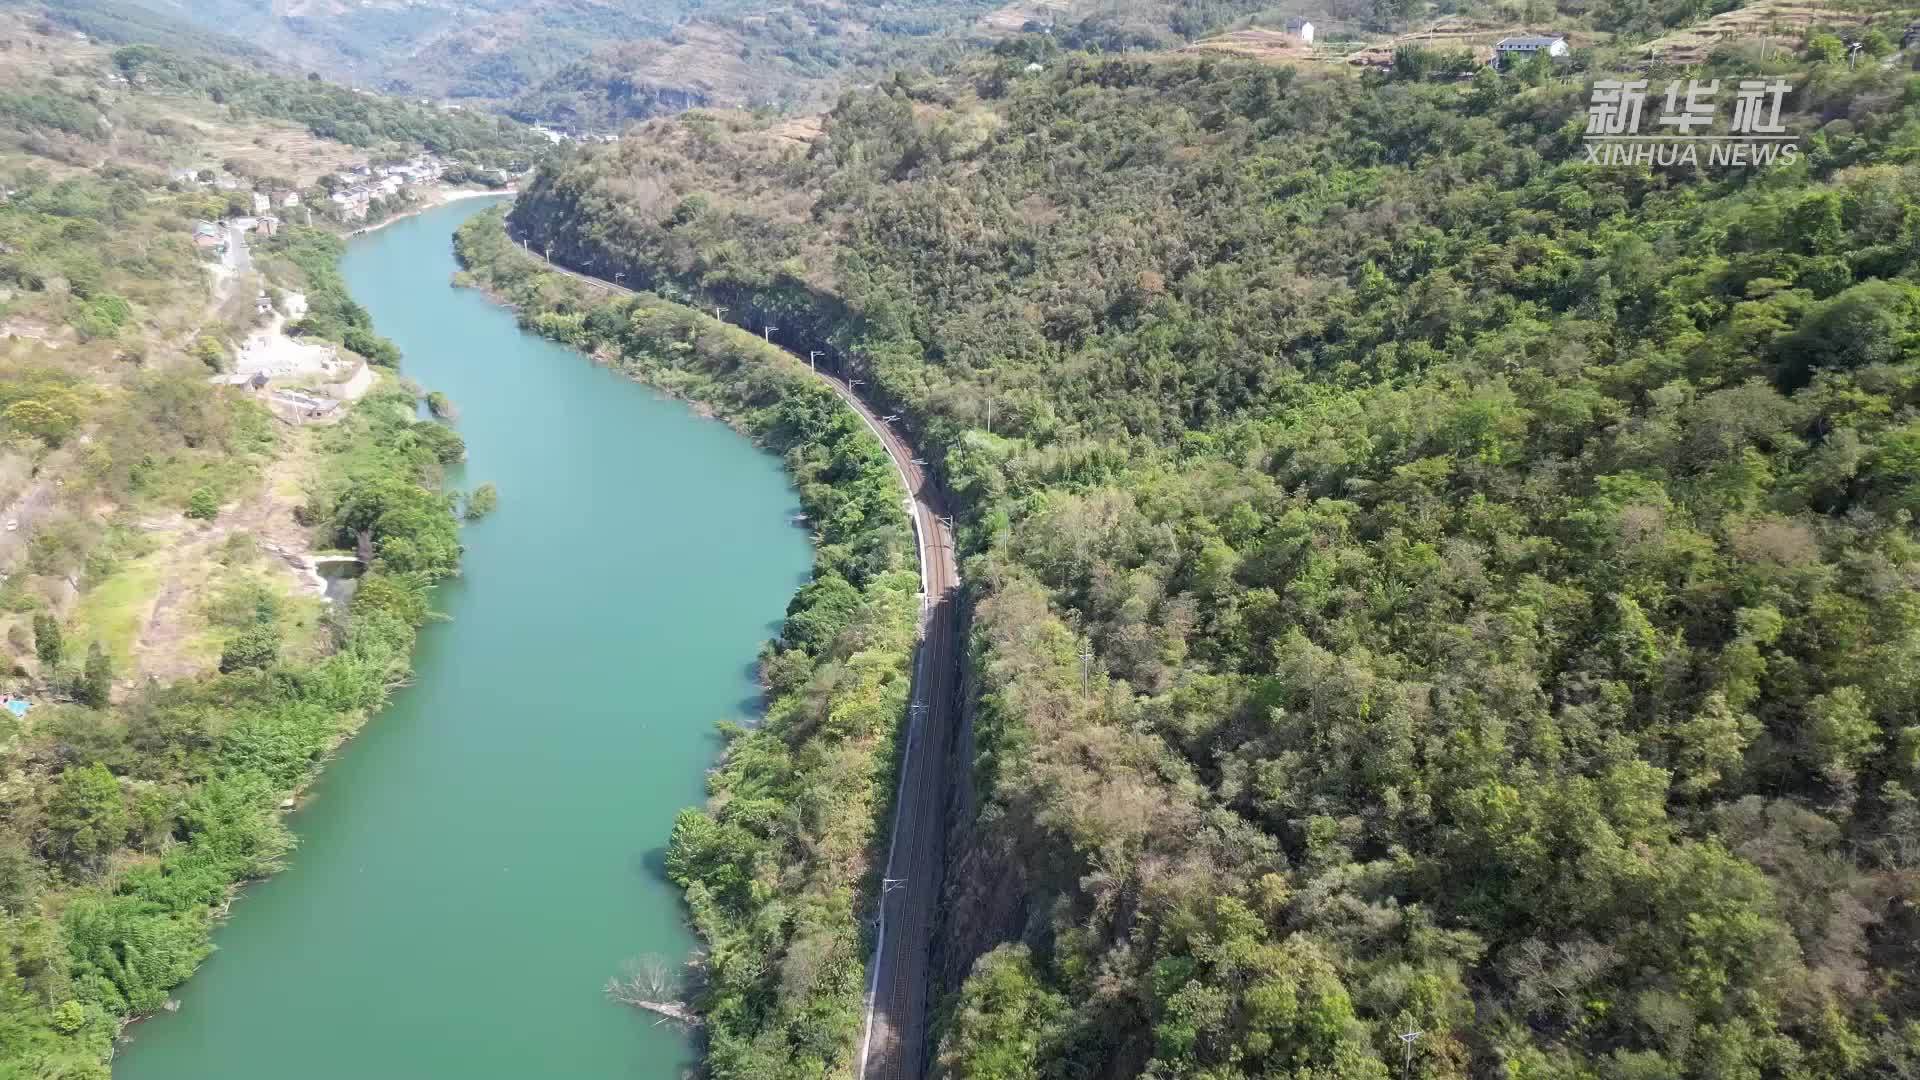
point(893, 1038)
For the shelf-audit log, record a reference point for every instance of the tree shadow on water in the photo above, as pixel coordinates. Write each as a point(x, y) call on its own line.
point(652, 863)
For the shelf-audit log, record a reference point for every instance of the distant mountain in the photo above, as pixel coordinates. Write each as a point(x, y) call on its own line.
point(594, 64)
point(439, 48)
point(796, 56)
point(123, 22)
point(803, 55)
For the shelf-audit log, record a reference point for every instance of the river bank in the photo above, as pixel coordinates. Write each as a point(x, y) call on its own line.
point(441, 197)
point(838, 677)
point(238, 745)
point(493, 846)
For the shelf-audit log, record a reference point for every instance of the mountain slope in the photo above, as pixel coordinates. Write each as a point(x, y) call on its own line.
point(1424, 582)
point(170, 675)
point(458, 48)
point(594, 64)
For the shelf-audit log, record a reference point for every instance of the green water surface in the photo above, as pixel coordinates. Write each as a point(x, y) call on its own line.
point(488, 852)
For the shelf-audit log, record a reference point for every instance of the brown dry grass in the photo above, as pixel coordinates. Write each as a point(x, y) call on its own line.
point(267, 147)
point(1009, 19)
point(154, 129)
point(172, 638)
point(1266, 46)
point(1780, 23)
point(797, 131)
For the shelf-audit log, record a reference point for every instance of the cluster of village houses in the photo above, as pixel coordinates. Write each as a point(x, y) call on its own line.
point(366, 183)
point(362, 184)
point(1507, 50)
point(557, 136)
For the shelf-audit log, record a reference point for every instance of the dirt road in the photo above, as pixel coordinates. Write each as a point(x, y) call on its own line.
point(893, 1040)
point(239, 257)
point(29, 508)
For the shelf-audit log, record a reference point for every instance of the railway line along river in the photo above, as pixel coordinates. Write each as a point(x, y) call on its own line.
point(477, 864)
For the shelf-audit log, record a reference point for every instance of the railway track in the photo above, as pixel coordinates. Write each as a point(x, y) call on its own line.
point(893, 1036)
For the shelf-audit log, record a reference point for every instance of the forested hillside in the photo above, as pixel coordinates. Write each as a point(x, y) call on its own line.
point(75, 100)
point(1496, 573)
point(329, 111)
point(171, 679)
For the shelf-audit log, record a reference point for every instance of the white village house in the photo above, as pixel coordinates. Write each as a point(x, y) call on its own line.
point(1519, 48)
point(1298, 27)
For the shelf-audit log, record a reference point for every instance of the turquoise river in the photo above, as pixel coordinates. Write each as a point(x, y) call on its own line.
point(477, 864)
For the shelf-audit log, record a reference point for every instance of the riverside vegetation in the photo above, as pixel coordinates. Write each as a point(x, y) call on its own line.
point(1499, 571)
point(779, 867)
point(130, 809)
point(128, 825)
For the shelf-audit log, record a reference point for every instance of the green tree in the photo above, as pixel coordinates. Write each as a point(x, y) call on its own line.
point(1842, 732)
point(203, 504)
point(258, 646)
point(375, 348)
point(1488, 89)
point(409, 527)
point(38, 418)
point(1825, 49)
point(69, 1017)
point(21, 876)
point(442, 442)
point(482, 502)
point(87, 817)
point(210, 352)
point(1870, 323)
point(48, 643)
point(1815, 224)
point(96, 678)
point(103, 316)
point(1006, 1020)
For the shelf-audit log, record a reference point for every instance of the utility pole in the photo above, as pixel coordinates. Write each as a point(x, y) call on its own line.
point(1406, 1064)
point(1086, 671)
point(812, 354)
point(766, 333)
point(718, 311)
